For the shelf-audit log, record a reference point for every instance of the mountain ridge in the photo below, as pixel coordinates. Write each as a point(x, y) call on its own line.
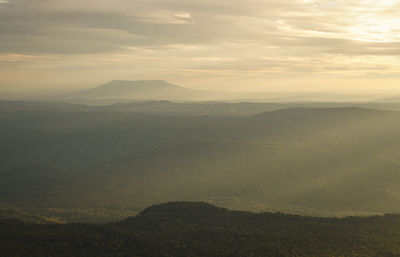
point(198, 229)
point(135, 89)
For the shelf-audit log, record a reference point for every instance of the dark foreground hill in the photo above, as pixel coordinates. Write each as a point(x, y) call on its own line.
point(199, 229)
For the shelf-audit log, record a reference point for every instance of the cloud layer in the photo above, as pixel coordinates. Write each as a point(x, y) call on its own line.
point(271, 45)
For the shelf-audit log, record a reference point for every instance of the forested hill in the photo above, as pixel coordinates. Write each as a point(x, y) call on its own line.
point(200, 229)
point(322, 161)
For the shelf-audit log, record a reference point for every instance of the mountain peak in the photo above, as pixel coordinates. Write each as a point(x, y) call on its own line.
point(133, 82)
point(154, 84)
point(318, 112)
point(138, 81)
point(179, 213)
point(137, 89)
point(181, 208)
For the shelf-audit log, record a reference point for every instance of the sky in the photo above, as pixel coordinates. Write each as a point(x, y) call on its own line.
point(240, 45)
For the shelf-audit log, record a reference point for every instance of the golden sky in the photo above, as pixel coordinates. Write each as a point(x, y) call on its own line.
point(300, 45)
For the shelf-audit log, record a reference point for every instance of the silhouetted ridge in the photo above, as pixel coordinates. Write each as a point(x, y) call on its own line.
point(184, 208)
point(122, 87)
point(139, 89)
point(166, 230)
point(294, 112)
point(184, 215)
point(200, 216)
point(139, 83)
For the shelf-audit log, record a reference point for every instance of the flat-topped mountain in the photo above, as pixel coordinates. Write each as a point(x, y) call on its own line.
point(126, 86)
point(139, 89)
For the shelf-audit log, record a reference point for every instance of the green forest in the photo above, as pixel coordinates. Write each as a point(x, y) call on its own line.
point(200, 229)
point(78, 180)
point(199, 128)
point(70, 160)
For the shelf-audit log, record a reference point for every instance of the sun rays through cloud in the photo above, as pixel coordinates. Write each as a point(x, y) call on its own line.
point(165, 39)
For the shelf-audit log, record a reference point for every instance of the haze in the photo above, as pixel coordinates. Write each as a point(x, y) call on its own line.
point(160, 128)
point(252, 45)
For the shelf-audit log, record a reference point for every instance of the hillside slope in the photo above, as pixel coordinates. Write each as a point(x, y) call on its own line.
point(322, 161)
point(199, 229)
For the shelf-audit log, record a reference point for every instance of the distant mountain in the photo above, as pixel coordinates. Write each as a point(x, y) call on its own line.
point(30, 106)
point(175, 108)
point(9, 212)
point(139, 89)
point(5, 95)
point(392, 99)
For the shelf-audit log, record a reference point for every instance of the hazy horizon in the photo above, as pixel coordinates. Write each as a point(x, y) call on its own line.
point(199, 128)
point(53, 46)
point(137, 93)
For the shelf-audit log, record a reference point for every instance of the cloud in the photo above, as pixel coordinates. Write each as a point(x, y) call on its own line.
point(317, 24)
point(291, 38)
point(164, 17)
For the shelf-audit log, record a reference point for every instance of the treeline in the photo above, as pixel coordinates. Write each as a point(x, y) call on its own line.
point(200, 229)
point(64, 215)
